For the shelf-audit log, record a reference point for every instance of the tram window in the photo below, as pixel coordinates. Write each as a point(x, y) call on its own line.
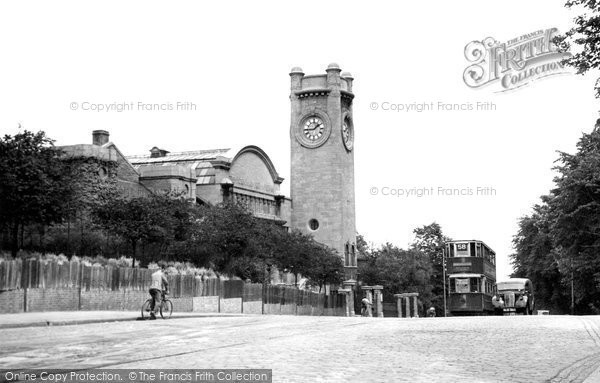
point(472, 253)
point(462, 249)
point(478, 253)
point(451, 250)
point(461, 285)
point(474, 285)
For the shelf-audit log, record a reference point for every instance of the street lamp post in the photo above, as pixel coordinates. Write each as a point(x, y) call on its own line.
point(444, 278)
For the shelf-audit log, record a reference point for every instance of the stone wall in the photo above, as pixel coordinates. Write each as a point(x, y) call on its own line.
point(11, 301)
point(73, 299)
point(51, 299)
point(206, 304)
point(112, 300)
point(230, 305)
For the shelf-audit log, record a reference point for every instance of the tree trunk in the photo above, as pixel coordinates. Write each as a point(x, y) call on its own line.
point(68, 235)
point(42, 233)
point(81, 239)
point(22, 236)
point(14, 248)
point(133, 247)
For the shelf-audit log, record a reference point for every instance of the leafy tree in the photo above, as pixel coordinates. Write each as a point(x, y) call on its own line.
point(557, 246)
point(585, 34)
point(399, 271)
point(138, 219)
point(323, 266)
point(231, 241)
point(362, 247)
point(575, 214)
point(429, 240)
point(295, 253)
point(536, 258)
point(32, 187)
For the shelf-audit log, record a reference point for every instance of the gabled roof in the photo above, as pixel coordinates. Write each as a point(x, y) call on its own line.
point(203, 162)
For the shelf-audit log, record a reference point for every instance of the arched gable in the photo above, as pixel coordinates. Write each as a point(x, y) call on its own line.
point(251, 167)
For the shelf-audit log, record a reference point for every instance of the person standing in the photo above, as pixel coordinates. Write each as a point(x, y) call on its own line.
point(431, 312)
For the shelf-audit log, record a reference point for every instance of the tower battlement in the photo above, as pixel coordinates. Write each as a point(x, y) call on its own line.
point(334, 78)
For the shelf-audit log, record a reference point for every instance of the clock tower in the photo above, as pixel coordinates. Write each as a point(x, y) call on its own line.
point(322, 160)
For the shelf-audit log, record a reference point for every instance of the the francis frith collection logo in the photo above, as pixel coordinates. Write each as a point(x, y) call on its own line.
point(515, 63)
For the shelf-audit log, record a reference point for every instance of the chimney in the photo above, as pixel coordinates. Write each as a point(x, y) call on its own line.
point(100, 137)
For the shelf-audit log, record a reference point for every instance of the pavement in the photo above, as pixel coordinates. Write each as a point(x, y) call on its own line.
point(62, 318)
point(557, 349)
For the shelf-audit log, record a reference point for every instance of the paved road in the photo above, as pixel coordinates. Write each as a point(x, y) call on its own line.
point(326, 349)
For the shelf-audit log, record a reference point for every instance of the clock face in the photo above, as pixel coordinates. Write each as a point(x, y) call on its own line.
point(314, 128)
point(347, 135)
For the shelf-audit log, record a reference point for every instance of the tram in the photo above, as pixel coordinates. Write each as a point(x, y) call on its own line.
point(471, 268)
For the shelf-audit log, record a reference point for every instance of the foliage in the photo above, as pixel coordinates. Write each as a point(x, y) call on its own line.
point(159, 219)
point(323, 265)
point(562, 236)
point(585, 34)
point(429, 240)
point(92, 182)
point(575, 215)
point(232, 241)
point(536, 259)
point(399, 271)
point(228, 239)
point(32, 183)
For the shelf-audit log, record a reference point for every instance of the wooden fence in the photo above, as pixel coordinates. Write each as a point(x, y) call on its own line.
point(50, 274)
point(33, 273)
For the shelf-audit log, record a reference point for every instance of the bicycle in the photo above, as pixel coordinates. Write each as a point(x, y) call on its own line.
point(165, 307)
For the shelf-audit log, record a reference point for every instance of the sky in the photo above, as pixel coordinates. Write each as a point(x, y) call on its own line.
point(232, 59)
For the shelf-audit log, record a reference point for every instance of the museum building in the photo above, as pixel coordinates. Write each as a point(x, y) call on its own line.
point(322, 197)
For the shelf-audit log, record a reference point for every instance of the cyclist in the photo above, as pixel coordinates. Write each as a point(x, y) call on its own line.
point(159, 286)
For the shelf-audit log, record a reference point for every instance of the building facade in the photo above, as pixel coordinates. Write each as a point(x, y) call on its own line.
point(322, 167)
point(246, 176)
